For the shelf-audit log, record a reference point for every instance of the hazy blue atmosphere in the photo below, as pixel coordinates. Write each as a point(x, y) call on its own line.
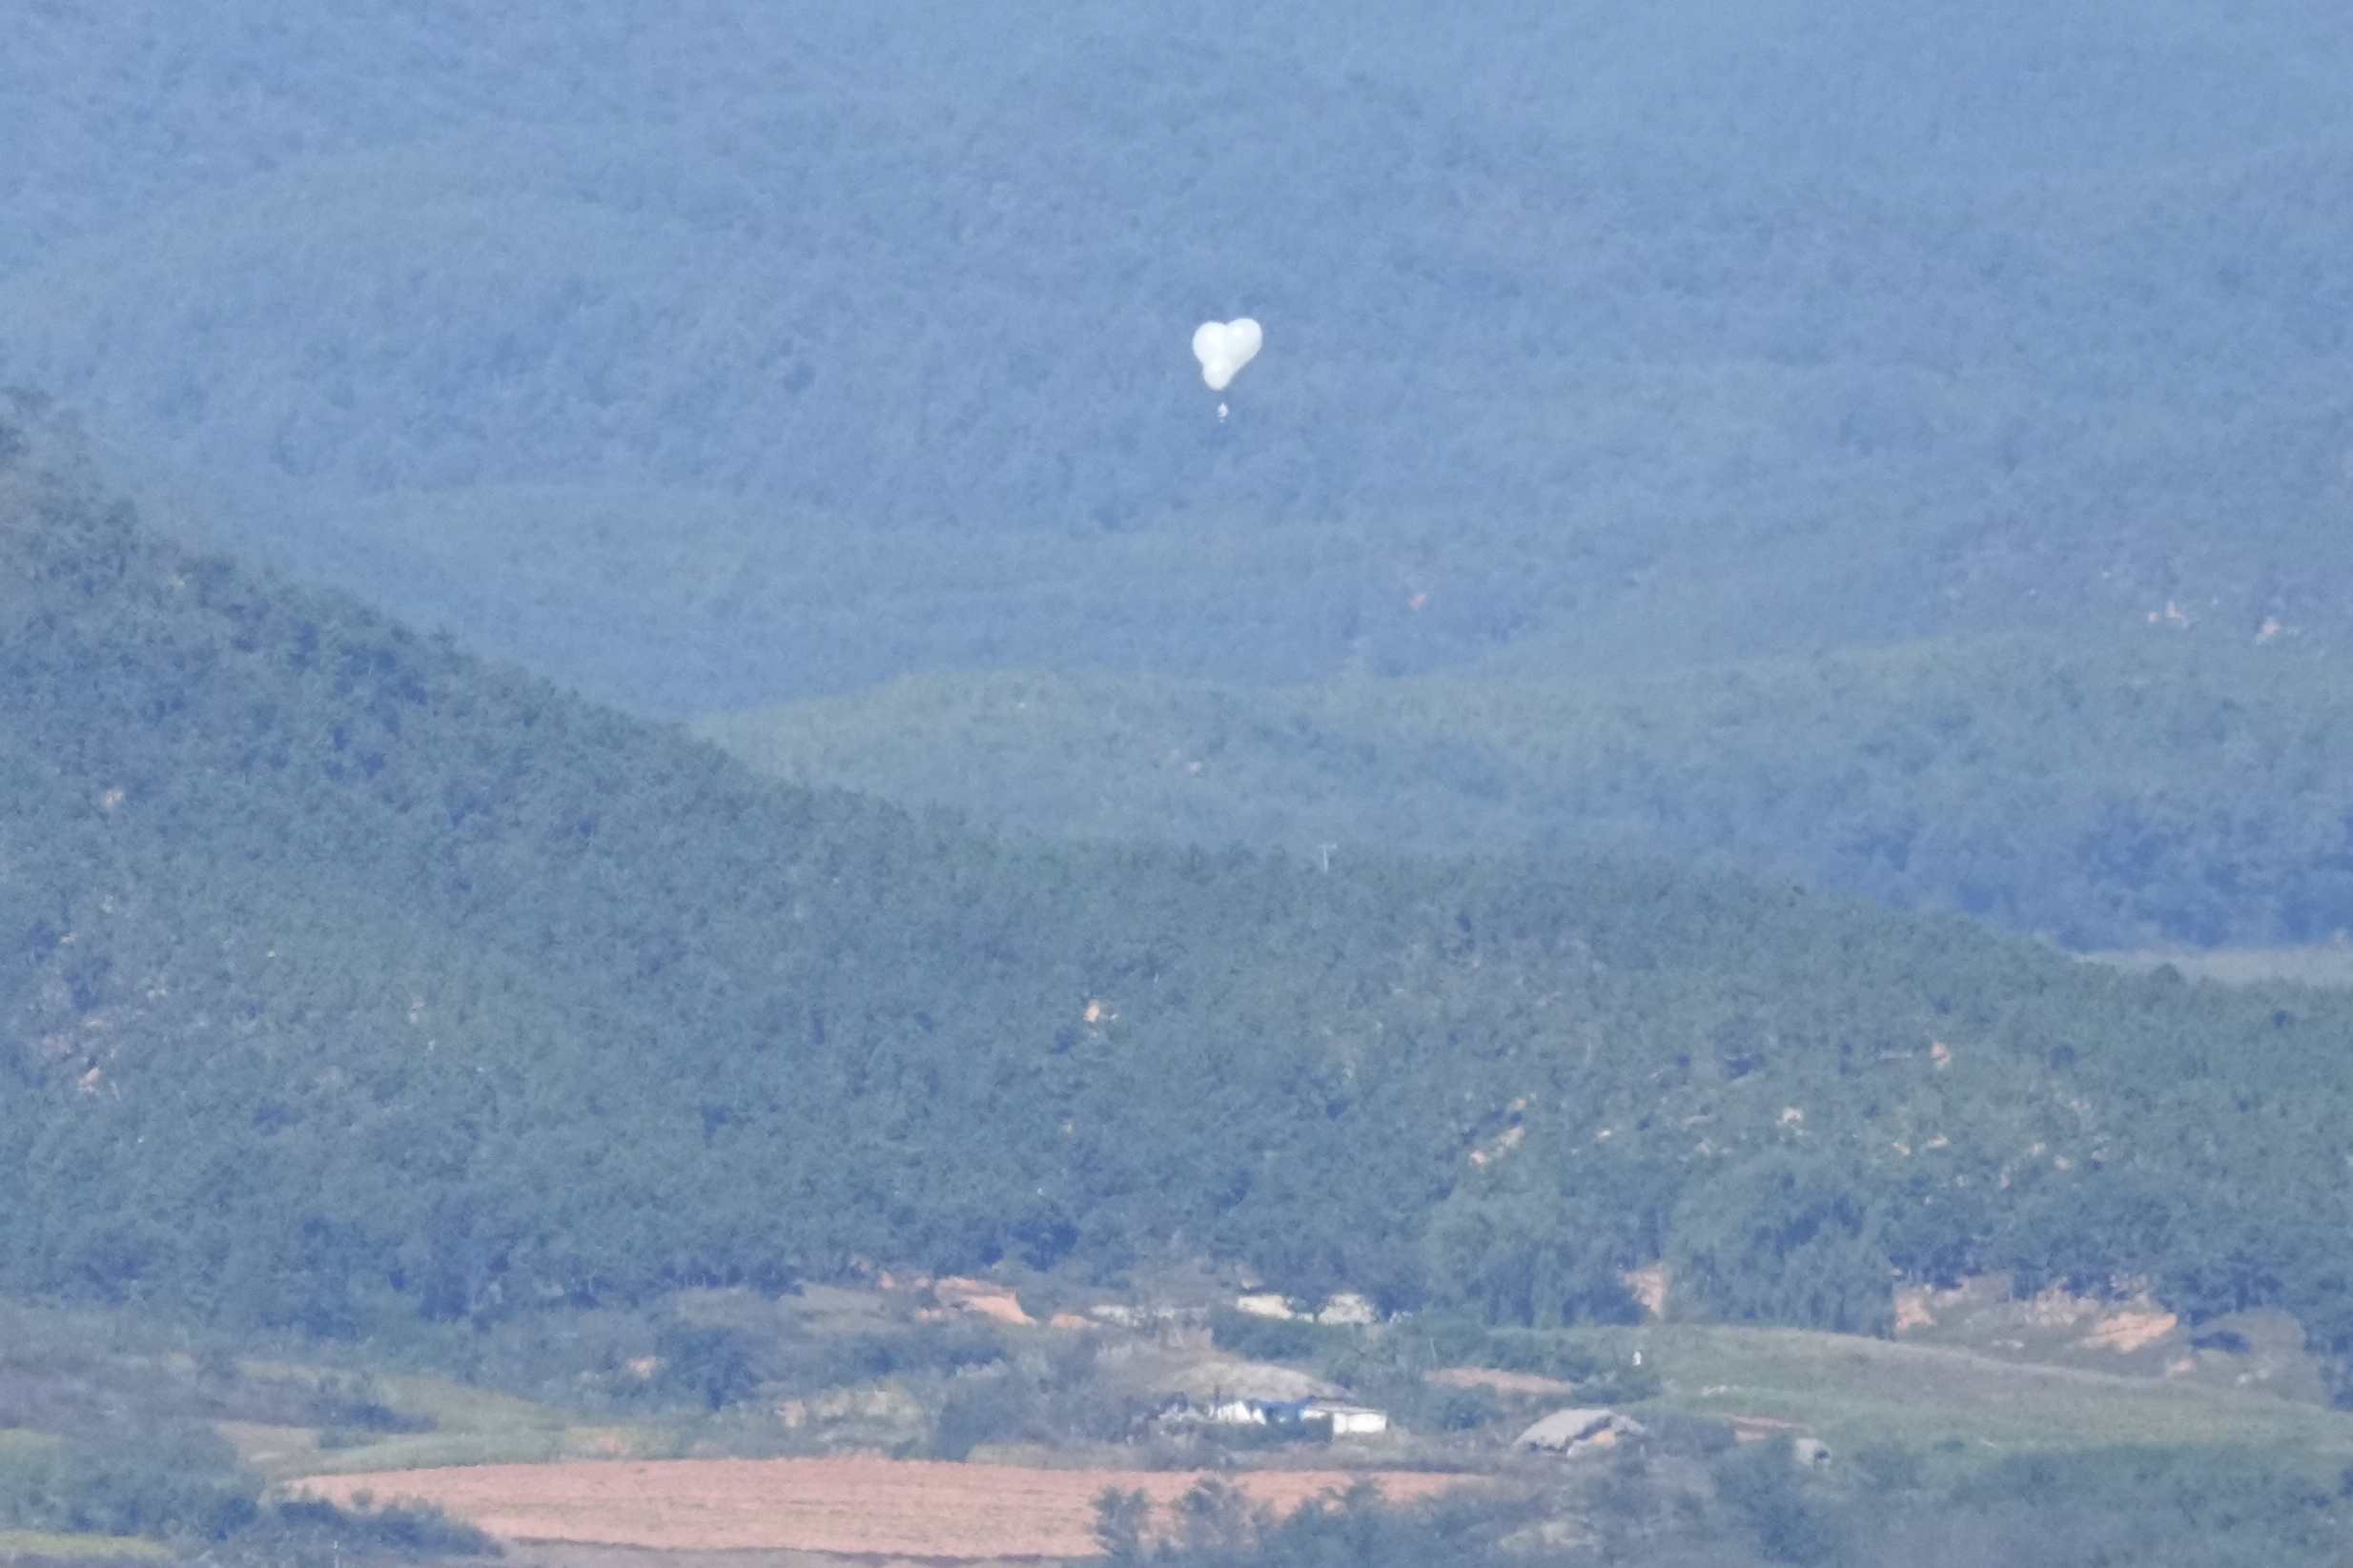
point(710, 355)
point(671, 789)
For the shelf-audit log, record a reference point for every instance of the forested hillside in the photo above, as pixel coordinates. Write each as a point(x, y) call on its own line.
point(348, 975)
point(2158, 790)
point(708, 356)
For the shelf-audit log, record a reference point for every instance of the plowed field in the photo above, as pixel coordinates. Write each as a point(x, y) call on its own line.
point(850, 1507)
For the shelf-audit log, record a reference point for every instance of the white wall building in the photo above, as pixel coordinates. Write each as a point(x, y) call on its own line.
point(1350, 1420)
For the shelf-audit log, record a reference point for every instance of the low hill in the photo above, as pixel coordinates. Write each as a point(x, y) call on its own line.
point(348, 975)
point(2153, 790)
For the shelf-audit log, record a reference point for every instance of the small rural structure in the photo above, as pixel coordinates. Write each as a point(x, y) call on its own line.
point(1577, 1432)
point(1349, 1421)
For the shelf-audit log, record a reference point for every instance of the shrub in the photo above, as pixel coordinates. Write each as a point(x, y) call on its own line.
point(399, 1529)
point(1269, 1338)
point(356, 1405)
point(710, 1367)
point(185, 1481)
point(982, 1409)
point(1766, 1492)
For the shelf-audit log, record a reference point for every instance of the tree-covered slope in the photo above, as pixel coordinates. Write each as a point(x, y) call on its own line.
point(344, 973)
point(721, 356)
point(2156, 789)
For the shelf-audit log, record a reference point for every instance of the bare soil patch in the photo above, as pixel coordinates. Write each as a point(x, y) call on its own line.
point(850, 1507)
point(550, 1554)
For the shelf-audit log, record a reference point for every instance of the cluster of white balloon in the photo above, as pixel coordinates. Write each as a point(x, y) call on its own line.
point(1223, 348)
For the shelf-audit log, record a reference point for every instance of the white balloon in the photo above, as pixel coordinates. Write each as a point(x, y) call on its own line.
point(1224, 347)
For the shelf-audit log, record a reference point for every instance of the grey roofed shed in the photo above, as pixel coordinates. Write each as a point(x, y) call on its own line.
point(1560, 1430)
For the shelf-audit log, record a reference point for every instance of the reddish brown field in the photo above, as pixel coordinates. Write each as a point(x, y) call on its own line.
point(849, 1507)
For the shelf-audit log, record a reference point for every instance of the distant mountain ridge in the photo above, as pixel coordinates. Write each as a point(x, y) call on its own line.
point(720, 358)
point(344, 975)
point(2157, 789)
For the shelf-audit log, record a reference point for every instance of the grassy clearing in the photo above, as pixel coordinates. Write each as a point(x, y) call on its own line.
point(472, 1426)
point(41, 1543)
point(2329, 966)
point(1853, 1392)
point(526, 1445)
